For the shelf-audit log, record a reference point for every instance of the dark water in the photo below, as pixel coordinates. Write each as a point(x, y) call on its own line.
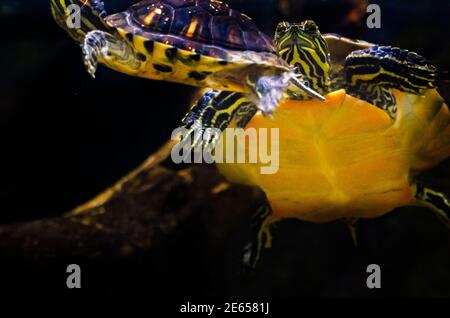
point(65, 137)
point(72, 136)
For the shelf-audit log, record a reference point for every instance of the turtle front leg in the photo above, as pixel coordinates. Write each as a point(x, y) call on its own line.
point(261, 239)
point(104, 47)
point(213, 112)
point(433, 200)
point(378, 95)
point(269, 90)
point(371, 73)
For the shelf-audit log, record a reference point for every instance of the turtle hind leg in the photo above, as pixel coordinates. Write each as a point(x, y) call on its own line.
point(100, 45)
point(434, 200)
point(261, 239)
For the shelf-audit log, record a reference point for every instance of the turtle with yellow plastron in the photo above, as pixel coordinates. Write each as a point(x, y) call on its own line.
point(353, 154)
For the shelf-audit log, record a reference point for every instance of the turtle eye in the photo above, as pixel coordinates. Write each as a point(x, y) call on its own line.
point(310, 26)
point(282, 27)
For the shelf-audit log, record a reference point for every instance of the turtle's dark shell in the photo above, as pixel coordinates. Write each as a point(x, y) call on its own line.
point(206, 26)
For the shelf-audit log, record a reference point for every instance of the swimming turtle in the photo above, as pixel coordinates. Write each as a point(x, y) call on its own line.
point(195, 42)
point(352, 156)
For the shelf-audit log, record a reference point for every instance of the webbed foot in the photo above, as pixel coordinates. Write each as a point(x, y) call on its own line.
point(92, 48)
point(270, 90)
point(106, 48)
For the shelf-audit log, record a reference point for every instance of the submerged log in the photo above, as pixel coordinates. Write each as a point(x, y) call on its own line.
point(167, 231)
point(137, 214)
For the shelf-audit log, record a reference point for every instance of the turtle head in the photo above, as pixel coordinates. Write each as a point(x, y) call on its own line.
point(303, 47)
point(79, 17)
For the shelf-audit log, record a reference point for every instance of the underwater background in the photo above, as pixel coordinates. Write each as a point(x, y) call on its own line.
point(66, 137)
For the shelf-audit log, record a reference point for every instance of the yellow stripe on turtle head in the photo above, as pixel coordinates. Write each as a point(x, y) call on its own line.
point(302, 46)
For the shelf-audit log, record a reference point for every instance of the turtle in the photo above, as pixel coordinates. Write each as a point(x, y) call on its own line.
point(352, 156)
point(202, 43)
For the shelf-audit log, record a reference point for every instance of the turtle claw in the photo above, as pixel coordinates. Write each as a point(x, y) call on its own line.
point(90, 59)
point(91, 64)
point(94, 44)
point(269, 91)
point(303, 87)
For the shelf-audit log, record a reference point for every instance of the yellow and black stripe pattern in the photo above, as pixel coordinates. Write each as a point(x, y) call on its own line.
point(216, 109)
point(302, 46)
point(91, 14)
point(392, 67)
point(371, 73)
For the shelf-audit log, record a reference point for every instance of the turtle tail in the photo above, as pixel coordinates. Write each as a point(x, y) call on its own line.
point(79, 17)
